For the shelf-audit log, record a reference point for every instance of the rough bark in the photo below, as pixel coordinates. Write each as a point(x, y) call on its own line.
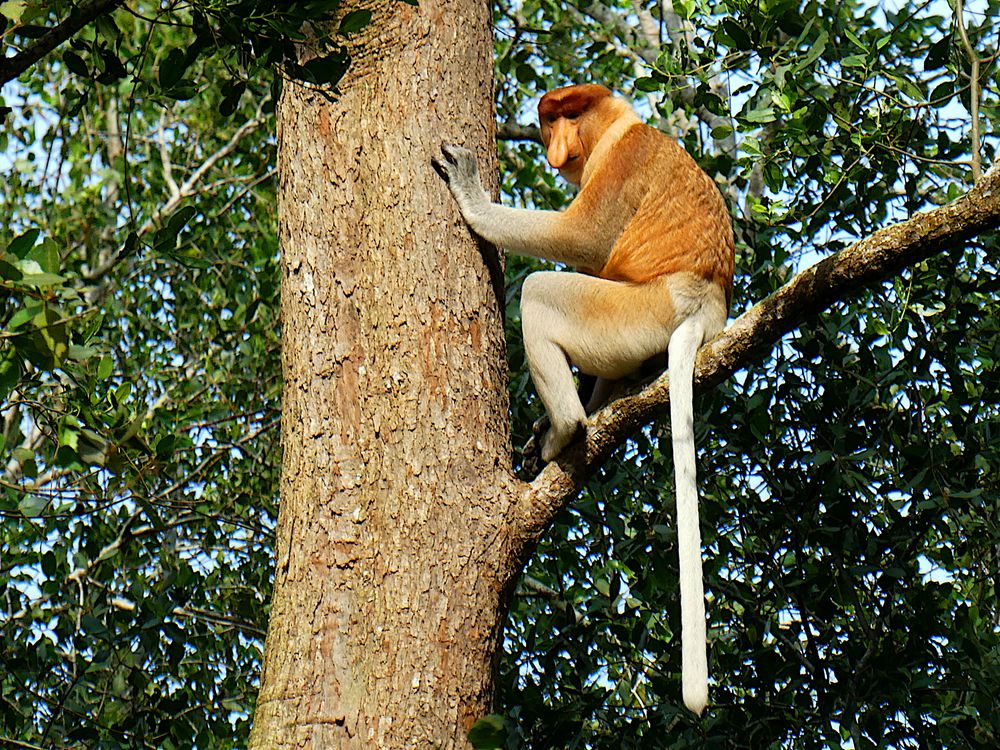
point(389, 588)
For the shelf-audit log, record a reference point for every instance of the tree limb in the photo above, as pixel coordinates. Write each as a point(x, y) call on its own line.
point(80, 16)
point(837, 277)
point(513, 131)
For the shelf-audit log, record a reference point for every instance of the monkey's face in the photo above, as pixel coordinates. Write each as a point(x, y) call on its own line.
point(563, 147)
point(571, 122)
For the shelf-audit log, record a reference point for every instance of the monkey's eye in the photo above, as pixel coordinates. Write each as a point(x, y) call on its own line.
point(571, 115)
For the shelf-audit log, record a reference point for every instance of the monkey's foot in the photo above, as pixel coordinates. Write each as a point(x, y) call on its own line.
point(557, 439)
point(540, 426)
point(531, 458)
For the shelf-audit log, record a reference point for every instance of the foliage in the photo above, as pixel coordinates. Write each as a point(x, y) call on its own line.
point(851, 492)
point(140, 386)
point(850, 482)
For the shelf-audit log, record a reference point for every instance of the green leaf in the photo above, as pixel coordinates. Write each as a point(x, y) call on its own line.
point(10, 375)
point(108, 29)
point(91, 448)
point(41, 280)
point(908, 87)
point(938, 53)
point(81, 353)
point(328, 69)
point(525, 73)
point(112, 68)
point(854, 61)
point(21, 244)
point(816, 49)
point(46, 255)
point(182, 92)
point(722, 132)
point(172, 68)
point(488, 733)
point(854, 39)
point(647, 84)
point(49, 564)
point(32, 506)
point(52, 336)
point(355, 21)
point(76, 64)
point(104, 368)
point(232, 91)
point(942, 93)
point(782, 101)
point(179, 219)
point(26, 313)
point(92, 626)
point(10, 272)
point(762, 115)
point(738, 34)
point(13, 9)
point(165, 447)
point(166, 236)
point(684, 8)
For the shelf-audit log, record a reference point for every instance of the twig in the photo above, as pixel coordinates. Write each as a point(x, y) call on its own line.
point(186, 189)
point(80, 16)
point(974, 61)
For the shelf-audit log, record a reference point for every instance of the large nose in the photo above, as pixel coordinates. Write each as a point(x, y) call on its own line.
point(558, 152)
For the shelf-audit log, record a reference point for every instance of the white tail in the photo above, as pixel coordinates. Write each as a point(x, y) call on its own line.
point(683, 347)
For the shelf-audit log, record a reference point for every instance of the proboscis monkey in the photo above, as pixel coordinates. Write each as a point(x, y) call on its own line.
point(653, 239)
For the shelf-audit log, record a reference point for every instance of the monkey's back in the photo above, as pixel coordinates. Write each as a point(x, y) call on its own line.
point(680, 223)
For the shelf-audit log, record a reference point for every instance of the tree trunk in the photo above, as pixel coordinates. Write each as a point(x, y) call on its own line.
point(390, 590)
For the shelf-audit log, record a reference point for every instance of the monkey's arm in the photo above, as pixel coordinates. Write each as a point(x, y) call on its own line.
point(552, 235)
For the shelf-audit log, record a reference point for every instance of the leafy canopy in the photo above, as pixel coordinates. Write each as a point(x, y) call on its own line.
point(850, 481)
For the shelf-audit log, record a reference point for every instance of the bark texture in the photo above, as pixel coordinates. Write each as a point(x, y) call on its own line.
point(389, 593)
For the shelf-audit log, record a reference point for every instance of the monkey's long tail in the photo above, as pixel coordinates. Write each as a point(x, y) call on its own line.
point(683, 347)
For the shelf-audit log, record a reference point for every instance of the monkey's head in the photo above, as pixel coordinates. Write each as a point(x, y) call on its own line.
point(572, 120)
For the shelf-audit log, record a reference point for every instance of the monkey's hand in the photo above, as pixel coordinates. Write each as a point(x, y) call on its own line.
point(458, 168)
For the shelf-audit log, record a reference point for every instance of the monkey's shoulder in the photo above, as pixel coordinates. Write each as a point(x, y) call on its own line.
point(647, 160)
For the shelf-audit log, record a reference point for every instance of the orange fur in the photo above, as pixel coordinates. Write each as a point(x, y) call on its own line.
point(666, 214)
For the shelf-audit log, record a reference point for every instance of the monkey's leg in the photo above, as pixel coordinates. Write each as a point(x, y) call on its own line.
point(606, 328)
point(544, 327)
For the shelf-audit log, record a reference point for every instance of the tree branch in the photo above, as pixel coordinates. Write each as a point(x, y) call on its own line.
point(973, 88)
point(188, 188)
point(871, 260)
point(80, 16)
point(512, 131)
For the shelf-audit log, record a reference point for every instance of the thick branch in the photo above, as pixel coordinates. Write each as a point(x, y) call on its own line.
point(512, 131)
point(80, 16)
point(871, 260)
